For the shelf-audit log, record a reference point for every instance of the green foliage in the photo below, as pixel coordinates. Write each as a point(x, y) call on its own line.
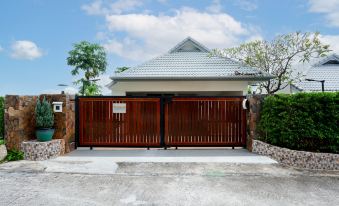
point(2, 117)
point(304, 121)
point(121, 69)
point(44, 117)
point(276, 57)
point(14, 155)
point(89, 59)
point(2, 141)
point(92, 89)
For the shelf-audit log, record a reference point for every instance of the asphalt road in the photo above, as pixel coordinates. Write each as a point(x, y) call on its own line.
point(172, 184)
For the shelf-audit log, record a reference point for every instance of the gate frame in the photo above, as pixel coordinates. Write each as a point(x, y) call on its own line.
point(163, 101)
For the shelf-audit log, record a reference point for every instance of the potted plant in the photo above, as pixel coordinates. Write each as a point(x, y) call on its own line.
point(44, 120)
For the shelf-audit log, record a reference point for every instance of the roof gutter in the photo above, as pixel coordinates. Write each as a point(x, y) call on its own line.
point(233, 78)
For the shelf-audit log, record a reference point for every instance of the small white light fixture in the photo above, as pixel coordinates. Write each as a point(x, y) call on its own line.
point(254, 88)
point(245, 104)
point(57, 106)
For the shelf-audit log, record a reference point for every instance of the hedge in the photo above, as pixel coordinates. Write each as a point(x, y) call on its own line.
point(2, 110)
point(303, 121)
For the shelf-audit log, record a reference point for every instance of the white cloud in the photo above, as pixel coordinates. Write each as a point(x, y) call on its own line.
point(103, 82)
point(125, 5)
point(70, 90)
point(25, 50)
point(95, 8)
point(215, 7)
point(1, 49)
point(100, 7)
point(328, 7)
point(148, 35)
point(332, 40)
point(50, 91)
point(101, 35)
point(247, 5)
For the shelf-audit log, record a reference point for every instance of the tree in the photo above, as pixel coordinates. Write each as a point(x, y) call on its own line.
point(121, 69)
point(277, 57)
point(44, 116)
point(92, 89)
point(91, 60)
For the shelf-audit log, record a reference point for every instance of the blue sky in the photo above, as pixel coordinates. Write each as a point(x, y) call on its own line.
point(36, 35)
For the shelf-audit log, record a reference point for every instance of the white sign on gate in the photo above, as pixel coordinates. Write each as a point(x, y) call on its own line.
point(119, 107)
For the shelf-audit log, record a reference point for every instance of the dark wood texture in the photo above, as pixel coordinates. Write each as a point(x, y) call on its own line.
point(198, 121)
point(99, 126)
point(205, 122)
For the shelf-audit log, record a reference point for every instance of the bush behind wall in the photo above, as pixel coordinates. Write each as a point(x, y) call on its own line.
point(303, 121)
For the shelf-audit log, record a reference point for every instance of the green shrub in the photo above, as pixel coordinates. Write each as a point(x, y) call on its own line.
point(304, 121)
point(14, 155)
point(2, 111)
point(44, 117)
point(2, 141)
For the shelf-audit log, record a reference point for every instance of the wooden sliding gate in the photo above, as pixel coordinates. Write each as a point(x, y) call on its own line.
point(118, 121)
point(160, 122)
point(205, 122)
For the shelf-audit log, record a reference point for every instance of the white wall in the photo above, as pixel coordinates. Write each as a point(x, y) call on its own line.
point(121, 87)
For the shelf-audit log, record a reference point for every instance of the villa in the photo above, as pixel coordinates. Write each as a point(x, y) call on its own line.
point(188, 69)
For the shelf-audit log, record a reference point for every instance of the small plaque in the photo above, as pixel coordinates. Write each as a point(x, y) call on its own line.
point(119, 107)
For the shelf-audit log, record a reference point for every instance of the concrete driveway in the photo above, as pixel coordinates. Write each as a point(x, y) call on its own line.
point(105, 160)
point(163, 183)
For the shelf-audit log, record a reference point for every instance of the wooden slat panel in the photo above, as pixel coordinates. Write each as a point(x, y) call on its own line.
point(99, 126)
point(215, 121)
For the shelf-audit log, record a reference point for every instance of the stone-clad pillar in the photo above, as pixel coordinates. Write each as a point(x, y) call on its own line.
point(255, 103)
point(70, 123)
point(20, 120)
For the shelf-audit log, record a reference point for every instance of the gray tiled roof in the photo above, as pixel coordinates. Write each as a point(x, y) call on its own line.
point(323, 71)
point(191, 60)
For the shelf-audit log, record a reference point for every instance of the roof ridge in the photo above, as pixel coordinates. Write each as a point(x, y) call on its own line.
point(200, 46)
point(321, 62)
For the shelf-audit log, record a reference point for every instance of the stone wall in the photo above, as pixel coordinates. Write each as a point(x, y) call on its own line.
point(20, 121)
point(37, 151)
point(255, 105)
point(70, 124)
point(299, 159)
